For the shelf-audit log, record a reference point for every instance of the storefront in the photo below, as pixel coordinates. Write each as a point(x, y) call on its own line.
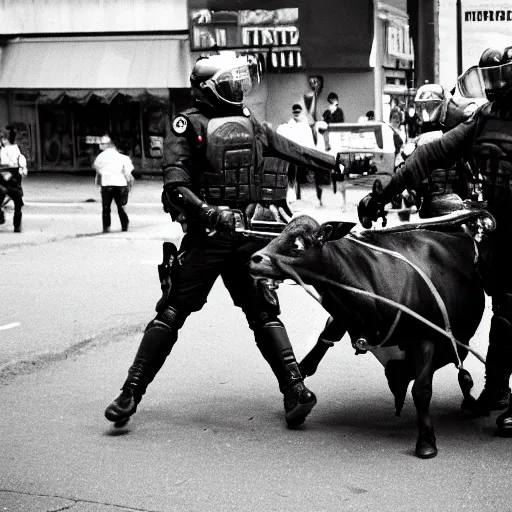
point(293, 40)
point(62, 94)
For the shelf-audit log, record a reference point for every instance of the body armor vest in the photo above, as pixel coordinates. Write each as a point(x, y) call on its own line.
point(236, 172)
point(493, 152)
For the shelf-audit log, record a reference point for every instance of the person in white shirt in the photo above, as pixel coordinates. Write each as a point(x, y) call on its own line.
point(13, 166)
point(114, 175)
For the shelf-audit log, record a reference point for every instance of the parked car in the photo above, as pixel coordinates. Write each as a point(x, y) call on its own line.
point(363, 148)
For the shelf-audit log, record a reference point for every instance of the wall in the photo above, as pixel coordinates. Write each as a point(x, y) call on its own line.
point(447, 43)
point(354, 89)
point(58, 16)
point(477, 35)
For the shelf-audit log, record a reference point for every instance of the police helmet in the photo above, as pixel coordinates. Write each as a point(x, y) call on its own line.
point(430, 103)
point(491, 79)
point(223, 80)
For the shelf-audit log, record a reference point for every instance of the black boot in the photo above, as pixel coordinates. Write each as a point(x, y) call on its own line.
point(298, 399)
point(154, 348)
point(275, 347)
point(504, 422)
point(2, 215)
point(496, 393)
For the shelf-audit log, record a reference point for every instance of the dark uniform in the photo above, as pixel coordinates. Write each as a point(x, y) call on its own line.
point(486, 142)
point(213, 167)
point(11, 185)
point(439, 112)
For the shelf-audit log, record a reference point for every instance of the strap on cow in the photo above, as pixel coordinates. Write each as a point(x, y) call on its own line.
point(309, 289)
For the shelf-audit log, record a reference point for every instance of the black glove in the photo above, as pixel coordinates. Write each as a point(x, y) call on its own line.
point(368, 210)
point(217, 219)
point(166, 201)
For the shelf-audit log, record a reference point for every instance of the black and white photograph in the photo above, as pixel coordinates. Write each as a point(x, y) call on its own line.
point(256, 255)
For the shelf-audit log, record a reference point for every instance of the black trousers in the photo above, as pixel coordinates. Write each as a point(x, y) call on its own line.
point(120, 196)
point(14, 190)
point(202, 259)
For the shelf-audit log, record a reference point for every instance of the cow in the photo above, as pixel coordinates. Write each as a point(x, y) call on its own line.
point(363, 279)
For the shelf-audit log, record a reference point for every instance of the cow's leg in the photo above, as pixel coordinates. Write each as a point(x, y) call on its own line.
point(333, 331)
point(399, 373)
point(422, 394)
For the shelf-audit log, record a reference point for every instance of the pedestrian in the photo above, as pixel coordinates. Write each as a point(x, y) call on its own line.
point(297, 130)
point(486, 141)
point(395, 121)
point(213, 168)
point(114, 175)
point(333, 114)
point(13, 166)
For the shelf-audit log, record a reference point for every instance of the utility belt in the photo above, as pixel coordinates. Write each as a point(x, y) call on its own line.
point(259, 221)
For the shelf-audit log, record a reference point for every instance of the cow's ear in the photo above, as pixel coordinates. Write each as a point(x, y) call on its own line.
point(334, 230)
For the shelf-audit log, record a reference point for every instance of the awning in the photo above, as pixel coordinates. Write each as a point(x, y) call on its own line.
point(82, 96)
point(96, 63)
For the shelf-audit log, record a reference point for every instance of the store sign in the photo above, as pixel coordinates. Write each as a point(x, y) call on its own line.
point(399, 44)
point(484, 25)
point(232, 30)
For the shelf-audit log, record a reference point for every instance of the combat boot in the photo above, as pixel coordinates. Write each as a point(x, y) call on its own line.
point(2, 216)
point(154, 348)
point(125, 405)
point(17, 221)
point(496, 393)
point(504, 422)
point(298, 399)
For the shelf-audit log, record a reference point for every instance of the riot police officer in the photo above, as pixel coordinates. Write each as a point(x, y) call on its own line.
point(213, 166)
point(485, 140)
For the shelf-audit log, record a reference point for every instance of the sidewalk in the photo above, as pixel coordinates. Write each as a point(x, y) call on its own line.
point(60, 206)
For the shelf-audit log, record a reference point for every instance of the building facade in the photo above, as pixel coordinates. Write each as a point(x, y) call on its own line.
point(482, 24)
point(72, 70)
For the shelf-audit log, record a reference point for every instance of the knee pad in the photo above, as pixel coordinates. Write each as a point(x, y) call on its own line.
point(169, 319)
point(332, 332)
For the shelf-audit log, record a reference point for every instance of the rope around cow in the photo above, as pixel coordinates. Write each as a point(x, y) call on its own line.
point(287, 269)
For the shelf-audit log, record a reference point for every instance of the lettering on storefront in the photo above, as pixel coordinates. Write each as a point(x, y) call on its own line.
point(498, 15)
point(249, 30)
point(484, 28)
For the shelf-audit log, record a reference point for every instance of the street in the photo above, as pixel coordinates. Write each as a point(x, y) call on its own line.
point(210, 432)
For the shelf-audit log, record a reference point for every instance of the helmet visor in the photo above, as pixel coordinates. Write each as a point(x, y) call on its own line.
point(478, 82)
point(231, 85)
point(429, 111)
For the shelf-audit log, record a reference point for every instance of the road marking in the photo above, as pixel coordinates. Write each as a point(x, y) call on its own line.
point(9, 326)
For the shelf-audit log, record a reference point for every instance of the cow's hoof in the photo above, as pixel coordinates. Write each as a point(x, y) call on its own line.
point(426, 449)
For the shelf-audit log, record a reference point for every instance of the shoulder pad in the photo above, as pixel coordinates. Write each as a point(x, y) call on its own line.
point(180, 125)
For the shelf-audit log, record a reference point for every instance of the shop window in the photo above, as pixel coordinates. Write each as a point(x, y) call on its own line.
point(56, 140)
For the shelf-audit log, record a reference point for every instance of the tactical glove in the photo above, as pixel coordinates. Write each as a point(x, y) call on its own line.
point(368, 210)
point(216, 219)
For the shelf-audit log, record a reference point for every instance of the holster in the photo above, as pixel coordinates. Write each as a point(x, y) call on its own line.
point(170, 253)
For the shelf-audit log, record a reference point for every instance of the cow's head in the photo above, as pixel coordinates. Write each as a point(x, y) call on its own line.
point(298, 246)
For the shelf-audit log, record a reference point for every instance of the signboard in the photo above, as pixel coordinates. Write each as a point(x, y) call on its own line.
point(484, 24)
point(232, 30)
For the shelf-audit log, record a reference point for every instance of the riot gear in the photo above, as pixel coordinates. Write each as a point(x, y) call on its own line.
point(219, 186)
point(491, 79)
point(223, 80)
point(430, 103)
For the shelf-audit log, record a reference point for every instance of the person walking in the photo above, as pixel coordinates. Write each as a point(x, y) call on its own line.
point(213, 167)
point(114, 175)
point(13, 166)
point(485, 139)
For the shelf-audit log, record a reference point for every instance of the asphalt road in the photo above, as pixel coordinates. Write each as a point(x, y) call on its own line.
point(210, 433)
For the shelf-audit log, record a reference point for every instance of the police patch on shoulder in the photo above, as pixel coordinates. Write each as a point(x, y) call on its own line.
point(180, 125)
